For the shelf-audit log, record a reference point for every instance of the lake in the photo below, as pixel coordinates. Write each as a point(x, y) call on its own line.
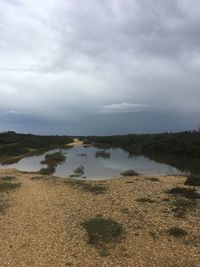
point(94, 165)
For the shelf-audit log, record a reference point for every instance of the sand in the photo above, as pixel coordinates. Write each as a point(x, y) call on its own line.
point(41, 224)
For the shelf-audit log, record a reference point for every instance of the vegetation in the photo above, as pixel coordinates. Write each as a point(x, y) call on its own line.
point(180, 206)
point(152, 179)
point(51, 160)
point(14, 145)
point(145, 200)
point(102, 154)
point(193, 180)
point(101, 231)
point(129, 173)
point(7, 178)
point(181, 150)
point(79, 171)
point(184, 143)
point(95, 189)
point(6, 186)
point(190, 193)
point(177, 232)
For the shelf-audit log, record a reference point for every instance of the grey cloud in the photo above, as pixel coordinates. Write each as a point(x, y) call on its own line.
point(64, 62)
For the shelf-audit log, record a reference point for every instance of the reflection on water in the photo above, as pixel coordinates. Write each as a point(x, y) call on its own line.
point(105, 164)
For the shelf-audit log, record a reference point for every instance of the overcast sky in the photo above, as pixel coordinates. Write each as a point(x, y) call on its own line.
point(83, 67)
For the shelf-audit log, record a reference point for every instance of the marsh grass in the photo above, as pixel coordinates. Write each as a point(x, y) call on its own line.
point(101, 231)
point(92, 188)
point(129, 173)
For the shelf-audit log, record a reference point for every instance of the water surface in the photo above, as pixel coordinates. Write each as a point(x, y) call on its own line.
point(97, 167)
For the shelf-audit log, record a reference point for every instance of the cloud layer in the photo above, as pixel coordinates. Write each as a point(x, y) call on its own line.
point(80, 64)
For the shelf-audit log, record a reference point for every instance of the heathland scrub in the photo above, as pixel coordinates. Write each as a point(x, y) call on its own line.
point(47, 221)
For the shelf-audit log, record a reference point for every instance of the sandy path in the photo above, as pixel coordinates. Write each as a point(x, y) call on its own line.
point(33, 228)
point(42, 226)
point(76, 142)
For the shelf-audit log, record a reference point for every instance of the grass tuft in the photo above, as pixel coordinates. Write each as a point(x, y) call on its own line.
point(101, 231)
point(181, 206)
point(145, 200)
point(190, 193)
point(7, 178)
point(193, 180)
point(95, 189)
point(177, 232)
point(6, 186)
point(152, 179)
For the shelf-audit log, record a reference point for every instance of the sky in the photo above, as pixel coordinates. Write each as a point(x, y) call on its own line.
point(99, 67)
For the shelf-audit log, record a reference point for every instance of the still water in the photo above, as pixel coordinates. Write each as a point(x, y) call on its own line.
point(96, 167)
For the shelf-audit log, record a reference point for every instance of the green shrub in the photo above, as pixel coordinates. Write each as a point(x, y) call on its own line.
point(185, 192)
point(181, 206)
point(7, 178)
point(95, 189)
point(193, 180)
point(6, 186)
point(153, 179)
point(101, 231)
point(177, 232)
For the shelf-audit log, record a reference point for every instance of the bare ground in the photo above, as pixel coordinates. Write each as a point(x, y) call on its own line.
point(41, 224)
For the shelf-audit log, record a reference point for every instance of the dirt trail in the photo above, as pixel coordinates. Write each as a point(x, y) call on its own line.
point(33, 223)
point(76, 142)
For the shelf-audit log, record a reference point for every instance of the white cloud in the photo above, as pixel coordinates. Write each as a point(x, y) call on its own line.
point(125, 108)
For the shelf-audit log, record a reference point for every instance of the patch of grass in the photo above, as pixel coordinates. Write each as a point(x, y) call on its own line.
point(185, 192)
point(177, 232)
point(53, 159)
point(104, 253)
point(102, 154)
point(193, 180)
point(129, 173)
point(181, 206)
point(7, 178)
point(152, 179)
point(95, 189)
point(6, 186)
point(47, 171)
point(145, 200)
point(101, 231)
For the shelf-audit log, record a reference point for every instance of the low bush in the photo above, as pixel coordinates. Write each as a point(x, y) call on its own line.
point(185, 192)
point(100, 230)
point(193, 180)
point(177, 232)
